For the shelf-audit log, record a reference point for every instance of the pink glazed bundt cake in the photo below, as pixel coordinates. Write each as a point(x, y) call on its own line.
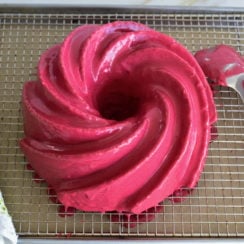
point(118, 119)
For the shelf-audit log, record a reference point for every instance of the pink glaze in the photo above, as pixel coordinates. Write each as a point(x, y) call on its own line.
point(131, 220)
point(66, 211)
point(180, 195)
point(220, 62)
point(119, 118)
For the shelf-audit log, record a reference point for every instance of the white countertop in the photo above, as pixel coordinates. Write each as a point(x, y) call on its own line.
point(205, 3)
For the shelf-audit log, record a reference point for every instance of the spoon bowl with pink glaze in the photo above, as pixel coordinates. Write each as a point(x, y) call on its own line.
point(224, 66)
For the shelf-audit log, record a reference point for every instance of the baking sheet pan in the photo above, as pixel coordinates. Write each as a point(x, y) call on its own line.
point(216, 206)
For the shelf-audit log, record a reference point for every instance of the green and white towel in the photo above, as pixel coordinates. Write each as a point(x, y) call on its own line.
point(7, 231)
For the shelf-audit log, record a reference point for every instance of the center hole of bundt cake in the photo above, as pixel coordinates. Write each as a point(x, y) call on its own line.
point(118, 100)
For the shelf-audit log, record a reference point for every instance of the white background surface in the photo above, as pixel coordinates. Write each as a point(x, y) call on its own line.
point(207, 3)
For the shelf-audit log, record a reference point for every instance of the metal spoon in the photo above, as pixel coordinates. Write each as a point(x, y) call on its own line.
point(224, 66)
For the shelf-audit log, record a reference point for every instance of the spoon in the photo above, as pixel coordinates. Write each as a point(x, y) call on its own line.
point(224, 66)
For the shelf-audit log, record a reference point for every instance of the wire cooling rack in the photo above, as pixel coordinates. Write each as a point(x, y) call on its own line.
point(216, 206)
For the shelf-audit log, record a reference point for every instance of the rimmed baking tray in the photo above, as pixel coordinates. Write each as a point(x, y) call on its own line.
point(216, 206)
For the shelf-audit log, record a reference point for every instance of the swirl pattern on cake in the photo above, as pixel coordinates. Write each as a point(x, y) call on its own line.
point(119, 118)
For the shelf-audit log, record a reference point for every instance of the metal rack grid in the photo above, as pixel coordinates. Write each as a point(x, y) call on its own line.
point(216, 206)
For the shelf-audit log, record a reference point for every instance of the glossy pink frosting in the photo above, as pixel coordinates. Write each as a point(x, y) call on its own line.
point(220, 62)
point(119, 118)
